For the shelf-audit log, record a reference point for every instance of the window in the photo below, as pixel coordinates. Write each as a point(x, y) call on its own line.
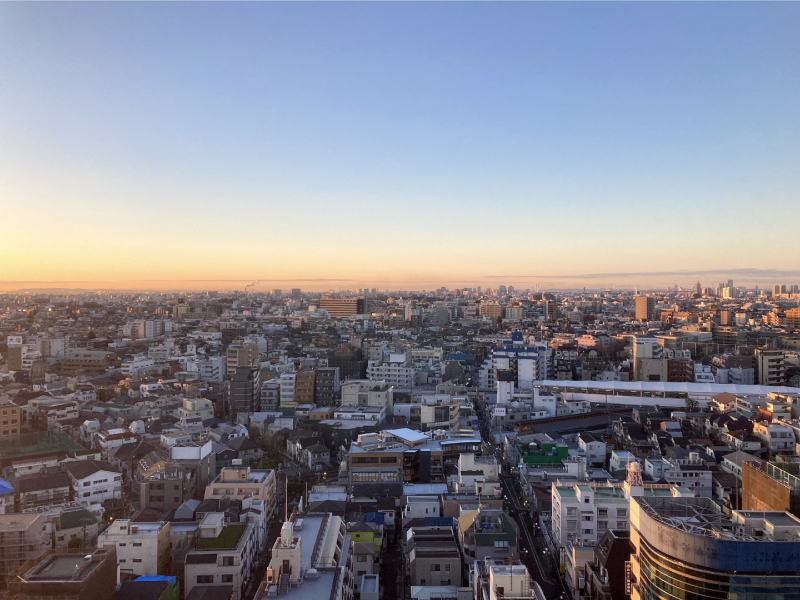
point(447, 567)
point(123, 544)
point(137, 544)
point(137, 560)
point(205, 579)
point(227, 579)
point(362, 559)
point(87, 494)
point(436, 567)
point(227, 561)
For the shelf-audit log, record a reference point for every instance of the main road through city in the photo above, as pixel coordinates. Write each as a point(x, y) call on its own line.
point(539, 565)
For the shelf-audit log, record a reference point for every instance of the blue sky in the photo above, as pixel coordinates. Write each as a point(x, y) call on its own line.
point(396, 141)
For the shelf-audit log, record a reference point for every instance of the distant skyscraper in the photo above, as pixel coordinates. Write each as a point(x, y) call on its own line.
point(645, 308)
point(697, 288)
point(296, 293)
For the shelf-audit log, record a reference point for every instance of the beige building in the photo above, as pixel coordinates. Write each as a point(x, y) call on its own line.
point(10, 421)
point(305, 385)
point(142, 548)
point(241, 482)
point(240, 355)
point(645, 308)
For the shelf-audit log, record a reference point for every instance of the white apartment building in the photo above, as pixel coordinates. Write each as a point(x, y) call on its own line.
point(142, 548)
point(777, 438)
point(692, 474)
point(136, 365)
point(287, 383)
point(593, 449)
point(421, 507)
point(195, 407)
point(212, 369)
point(583, 512)
point(94, 481)
point(360, 392)
point(396, 371)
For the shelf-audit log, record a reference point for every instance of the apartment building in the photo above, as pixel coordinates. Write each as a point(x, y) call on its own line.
point(141, 548)
point(239, 482)
point(225, 555)
point(770, 366)
point(240, 355)
point(287, 389)
point(94, 480)
point(327, 386)
point(361, 392)
point(777, 438)
point(305, 385)
point(311, 560)
point(10, 419)
point(581, 513)
point(397, 371)
point(434, 557)
point(245, 391)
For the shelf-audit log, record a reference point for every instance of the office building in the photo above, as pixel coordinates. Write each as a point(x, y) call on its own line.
point(342, 308)
point(689, 548)
point(296, 295)
point(240, 355)
point(645, 308)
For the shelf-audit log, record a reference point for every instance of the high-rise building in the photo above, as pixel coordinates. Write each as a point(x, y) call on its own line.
point(645, 308)
point(341, 308)
point(296, 294)
point(697, 288)
point(688, 548)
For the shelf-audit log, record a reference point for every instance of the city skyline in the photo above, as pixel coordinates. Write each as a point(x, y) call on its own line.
point(397, 145)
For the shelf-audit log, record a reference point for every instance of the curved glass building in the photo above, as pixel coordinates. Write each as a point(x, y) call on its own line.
point(686, 548)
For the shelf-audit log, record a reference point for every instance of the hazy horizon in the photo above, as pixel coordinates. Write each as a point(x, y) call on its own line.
point(643, 281)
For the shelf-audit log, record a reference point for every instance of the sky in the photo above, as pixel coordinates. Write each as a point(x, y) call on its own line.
point(398, 145)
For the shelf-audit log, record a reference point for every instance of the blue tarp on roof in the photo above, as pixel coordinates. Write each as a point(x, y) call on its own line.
point(5, 487)
point(168, 578)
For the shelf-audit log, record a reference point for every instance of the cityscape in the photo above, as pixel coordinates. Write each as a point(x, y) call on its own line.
point(399, 301)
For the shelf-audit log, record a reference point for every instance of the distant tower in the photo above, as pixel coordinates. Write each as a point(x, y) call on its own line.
point(697, 289)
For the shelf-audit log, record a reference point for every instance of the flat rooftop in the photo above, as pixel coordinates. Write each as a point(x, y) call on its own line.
point(63, 567)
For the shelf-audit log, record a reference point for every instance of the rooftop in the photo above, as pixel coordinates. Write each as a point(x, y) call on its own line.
point(228, 539)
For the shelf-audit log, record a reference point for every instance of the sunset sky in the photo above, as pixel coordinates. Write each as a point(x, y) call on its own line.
point(398, 144)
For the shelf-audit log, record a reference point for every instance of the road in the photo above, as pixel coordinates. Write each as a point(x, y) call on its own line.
point(531, 549)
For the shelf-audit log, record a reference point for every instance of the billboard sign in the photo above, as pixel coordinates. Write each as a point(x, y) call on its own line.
point(500, 412)
point(14, 340)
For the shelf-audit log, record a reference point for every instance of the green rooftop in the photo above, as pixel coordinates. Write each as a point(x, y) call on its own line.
point(228, 539)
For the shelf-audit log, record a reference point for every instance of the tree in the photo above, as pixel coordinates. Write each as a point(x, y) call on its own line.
point(691, 404)
point(75, 542)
